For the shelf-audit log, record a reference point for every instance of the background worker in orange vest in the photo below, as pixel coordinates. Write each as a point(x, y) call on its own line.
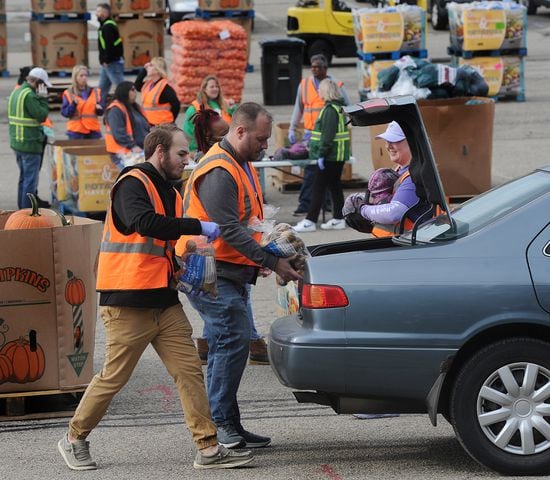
point(210, 96)
point(307, 107)
point(224, 188)
point(140, 304)
point(159, 101)
point(82, 106)
point(125, 124)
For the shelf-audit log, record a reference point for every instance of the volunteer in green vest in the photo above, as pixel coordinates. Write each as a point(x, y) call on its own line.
point(111, 56)
point(27, 109)
point(330, 144)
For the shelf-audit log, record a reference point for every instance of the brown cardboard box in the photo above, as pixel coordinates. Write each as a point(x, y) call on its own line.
point(462, 142)
point(89, 175)
point(226, 4)
point(48, 299)
point(138, 6)
point(143, 39)
point(59, 46)
point(3, 47)
point(59, 6)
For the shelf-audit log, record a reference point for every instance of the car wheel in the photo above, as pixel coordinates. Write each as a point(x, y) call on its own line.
point(439, 16)
point(500, 406)
point(320, 46)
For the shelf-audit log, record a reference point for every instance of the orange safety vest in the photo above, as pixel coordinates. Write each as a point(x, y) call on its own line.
point(85, 119)
point(381, 230)
point(155, 112)
point(45, 123)
point(249, 197)
point(135, 262)
point(224, 114)
point(312, 102)
point(110, 143)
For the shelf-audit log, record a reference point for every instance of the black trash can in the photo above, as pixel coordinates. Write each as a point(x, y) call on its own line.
point(281, 69)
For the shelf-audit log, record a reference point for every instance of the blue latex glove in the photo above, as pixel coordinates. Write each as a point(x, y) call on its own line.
point(321, 163)
point(210, 230)
point(292, 137)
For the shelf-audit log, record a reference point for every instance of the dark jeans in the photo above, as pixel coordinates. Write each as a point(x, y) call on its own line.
point(83, 136)
point(29, 170)
point(306, 190)
point(329, 178)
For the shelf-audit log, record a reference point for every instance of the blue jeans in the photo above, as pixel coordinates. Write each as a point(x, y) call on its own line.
point(227, 331)
point(83, 136)
point(29, 170)
point(110, 74)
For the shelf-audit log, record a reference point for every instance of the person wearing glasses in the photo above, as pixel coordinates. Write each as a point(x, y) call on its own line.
point(307, 107)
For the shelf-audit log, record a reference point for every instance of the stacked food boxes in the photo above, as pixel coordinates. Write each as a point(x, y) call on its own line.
point(3, 40)
point(141, 27)
point(238, 11)
point(491, 36)
point(59, 34)
point(384, 35)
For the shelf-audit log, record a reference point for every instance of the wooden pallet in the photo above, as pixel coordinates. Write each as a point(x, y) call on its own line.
point(40, 404)
point(355, 183)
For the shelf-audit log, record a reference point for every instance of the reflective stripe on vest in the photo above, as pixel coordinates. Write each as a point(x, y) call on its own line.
point(313, 103)
point(18, 118)
point(135, 262)
point(85, 119)
point(102, 40)
point(110, 143)
point(249, 196)
point(384, 230)
point(341, 139)
point(223, 113)
point(155, 112)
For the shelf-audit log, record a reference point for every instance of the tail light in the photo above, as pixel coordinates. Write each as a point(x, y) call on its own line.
point(323, 296)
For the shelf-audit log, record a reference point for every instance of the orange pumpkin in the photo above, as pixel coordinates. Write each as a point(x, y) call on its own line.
point(6, 369)
point(75, 292)
point(28, 364)
point(34, 217)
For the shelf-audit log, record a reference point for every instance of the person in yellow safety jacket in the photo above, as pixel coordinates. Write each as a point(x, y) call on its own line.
point(330, 145)
point(224, 188)
point(125, 124)
point(387, 217)
point(139, 303)
point(210, 96)
point(307, 107)
point(158, 99)
point(82, 106)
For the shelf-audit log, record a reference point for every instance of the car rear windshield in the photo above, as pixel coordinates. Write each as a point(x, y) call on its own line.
point(484, 209)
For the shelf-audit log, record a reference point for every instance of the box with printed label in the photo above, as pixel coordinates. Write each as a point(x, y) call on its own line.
point(48, 300)
point(59, 46)
point(138, 6)
point(59, 6)
point(226, 4)
point(143, 39)
point(368, 73)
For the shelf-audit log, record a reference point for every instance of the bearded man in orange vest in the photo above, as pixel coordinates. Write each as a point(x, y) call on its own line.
point(140, 304)
point(307, 107)
point(224, 188)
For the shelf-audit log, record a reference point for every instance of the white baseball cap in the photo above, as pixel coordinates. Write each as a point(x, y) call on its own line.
point(393, 133)
point(40, 74)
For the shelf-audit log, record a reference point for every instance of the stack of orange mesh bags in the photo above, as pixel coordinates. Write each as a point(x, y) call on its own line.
point(202, 48)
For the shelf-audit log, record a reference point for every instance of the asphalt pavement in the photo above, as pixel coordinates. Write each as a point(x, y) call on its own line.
point(143, 435)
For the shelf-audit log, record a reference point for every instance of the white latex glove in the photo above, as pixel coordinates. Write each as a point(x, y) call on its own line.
point(42, 90)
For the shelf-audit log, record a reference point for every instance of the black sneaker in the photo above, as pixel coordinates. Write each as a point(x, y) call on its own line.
point(223, 459)
point(252, 440)
point(229, 437)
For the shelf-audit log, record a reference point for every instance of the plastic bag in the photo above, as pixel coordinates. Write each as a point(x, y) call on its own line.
point(197, 275)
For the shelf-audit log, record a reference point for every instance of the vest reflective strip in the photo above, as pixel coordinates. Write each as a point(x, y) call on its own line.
point(340, 139)
point(102, 40)
point(80, 115)
point(305, 99)
point(206, 161)
point(19, 121)
point(155, 102)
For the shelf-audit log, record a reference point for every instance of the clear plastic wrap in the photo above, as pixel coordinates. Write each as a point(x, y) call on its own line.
point(197, 274)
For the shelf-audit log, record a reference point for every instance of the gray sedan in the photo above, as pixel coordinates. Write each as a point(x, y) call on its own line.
point(452, 317)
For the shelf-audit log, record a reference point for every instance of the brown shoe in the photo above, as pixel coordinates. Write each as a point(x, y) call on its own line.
point(202, 349)
point(258, 352)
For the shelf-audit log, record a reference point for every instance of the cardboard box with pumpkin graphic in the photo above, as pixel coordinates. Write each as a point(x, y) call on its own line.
point(59, 6)
point(47, 305)
point(214, 5)
point(138, 6)
point(143, 39)
point(59, 46)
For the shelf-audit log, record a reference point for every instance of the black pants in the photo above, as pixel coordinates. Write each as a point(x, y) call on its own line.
point(329, 178)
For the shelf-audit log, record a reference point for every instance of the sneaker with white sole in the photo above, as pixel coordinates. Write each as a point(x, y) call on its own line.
point(229, 437)
point(334, 224)
point(76, 454)
point(305, 225)
point(224, 458)
point(253, 440)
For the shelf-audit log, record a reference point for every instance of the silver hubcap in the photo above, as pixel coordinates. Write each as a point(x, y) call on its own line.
point(513, 408)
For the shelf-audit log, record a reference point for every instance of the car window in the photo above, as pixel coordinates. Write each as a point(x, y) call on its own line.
point(484, 209)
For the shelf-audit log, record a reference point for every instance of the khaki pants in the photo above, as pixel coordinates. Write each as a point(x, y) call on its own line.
point(128, 332)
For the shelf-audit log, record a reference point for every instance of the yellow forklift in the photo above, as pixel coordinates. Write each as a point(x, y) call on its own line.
point(327, 26)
